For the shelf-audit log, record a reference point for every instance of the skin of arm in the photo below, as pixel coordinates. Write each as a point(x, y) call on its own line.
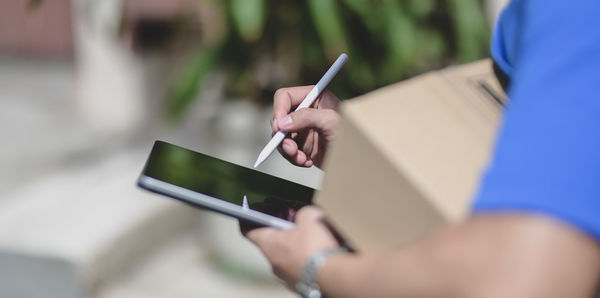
point(488, 255)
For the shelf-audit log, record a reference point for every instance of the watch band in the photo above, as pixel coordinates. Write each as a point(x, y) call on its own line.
point(307, 285)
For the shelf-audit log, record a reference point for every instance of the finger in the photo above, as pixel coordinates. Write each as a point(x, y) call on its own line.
point(285, 99)
point(261, 236)
point(274, 127)
point(300, 158)
point(290, 148)
point(323, 120)
point(246, 226)
point(308, 163)
point(327, 100)
point(309, 214)
point(290, 151)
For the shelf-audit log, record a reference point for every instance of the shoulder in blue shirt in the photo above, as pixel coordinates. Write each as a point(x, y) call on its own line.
point(547, 157)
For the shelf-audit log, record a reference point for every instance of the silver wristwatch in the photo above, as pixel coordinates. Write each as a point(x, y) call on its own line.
point(307, 285)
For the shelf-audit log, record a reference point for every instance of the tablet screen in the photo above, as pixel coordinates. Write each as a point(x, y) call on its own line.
point(226, 181)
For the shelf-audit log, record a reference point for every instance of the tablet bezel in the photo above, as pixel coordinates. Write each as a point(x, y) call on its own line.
point(205, 201)
point(211, 203)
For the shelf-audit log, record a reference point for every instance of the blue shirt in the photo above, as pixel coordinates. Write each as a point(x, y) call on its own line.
point(547, 156)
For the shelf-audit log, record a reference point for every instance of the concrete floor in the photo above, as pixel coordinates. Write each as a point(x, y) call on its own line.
point(184, 269)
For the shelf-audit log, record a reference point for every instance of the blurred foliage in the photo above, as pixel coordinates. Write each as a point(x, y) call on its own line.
point(262, 45)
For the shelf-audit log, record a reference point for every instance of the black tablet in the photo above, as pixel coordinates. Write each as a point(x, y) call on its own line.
point(220, 186)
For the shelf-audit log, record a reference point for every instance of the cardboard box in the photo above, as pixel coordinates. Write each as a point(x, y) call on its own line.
point(409, 156)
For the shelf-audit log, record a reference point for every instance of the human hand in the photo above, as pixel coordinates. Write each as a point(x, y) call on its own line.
point(311, 128)
point(284, 209)
point(288, 251)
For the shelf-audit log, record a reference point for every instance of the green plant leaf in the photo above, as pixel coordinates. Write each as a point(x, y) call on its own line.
point(248, 18)
point(360, 73)
point(359, 7)
point(367, 13)
point(431, 49)
point(186, 88)
point(329, 24)
point(470, 27)
point(387, 40)
point(421, 8)
point(401, 41)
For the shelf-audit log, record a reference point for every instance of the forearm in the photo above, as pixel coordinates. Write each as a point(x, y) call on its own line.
point(497, 256)
point(406, 273)
point(422, 269)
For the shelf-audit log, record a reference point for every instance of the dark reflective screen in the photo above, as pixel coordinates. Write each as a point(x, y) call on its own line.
point(227, 181)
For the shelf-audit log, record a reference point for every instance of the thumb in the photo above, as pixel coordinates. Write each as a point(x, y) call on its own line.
point(309, 214)
point(261, 236)
point(324, 120)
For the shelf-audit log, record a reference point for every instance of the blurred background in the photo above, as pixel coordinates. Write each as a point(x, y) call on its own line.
point(86, 86)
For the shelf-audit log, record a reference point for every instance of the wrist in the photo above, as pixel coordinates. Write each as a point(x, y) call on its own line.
point(308, 284)
point(335, 273)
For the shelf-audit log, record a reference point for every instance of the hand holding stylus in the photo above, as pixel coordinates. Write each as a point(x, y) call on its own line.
point(311, 129)
point(308, 100)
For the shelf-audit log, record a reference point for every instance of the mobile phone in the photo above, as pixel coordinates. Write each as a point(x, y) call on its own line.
point(211, 183)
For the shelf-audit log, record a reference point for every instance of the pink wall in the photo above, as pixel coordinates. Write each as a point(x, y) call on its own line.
point(42, 30)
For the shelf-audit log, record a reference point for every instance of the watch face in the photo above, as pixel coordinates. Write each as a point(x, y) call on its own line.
point(307, 286)
point(308, 289)
point(314, 293)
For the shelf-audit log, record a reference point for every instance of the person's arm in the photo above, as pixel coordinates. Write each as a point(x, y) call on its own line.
point(488, 256)
point(506, 255)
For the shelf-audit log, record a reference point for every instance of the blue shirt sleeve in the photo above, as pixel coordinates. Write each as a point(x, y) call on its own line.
point(547, 156)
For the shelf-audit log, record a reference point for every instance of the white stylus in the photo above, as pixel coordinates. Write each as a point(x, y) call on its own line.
point(245, 205)
point(308, 100)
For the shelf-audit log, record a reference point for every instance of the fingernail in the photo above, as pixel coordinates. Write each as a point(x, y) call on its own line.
point(286, 146)
point(287, 121)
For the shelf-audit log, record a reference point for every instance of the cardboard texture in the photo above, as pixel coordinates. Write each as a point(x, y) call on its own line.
point(408, 157)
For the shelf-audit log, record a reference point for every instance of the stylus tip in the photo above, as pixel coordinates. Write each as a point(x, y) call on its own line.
point(245, 204)
point(261, 157)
